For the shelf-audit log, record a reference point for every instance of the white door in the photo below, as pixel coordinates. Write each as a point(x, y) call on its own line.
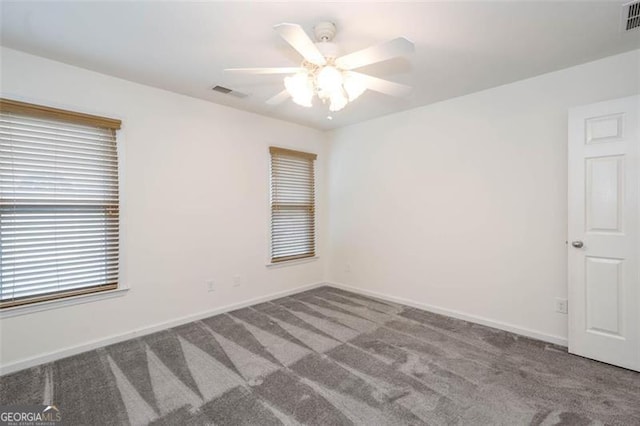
point(604, 232)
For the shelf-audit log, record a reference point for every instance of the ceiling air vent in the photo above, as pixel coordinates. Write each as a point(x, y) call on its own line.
point(631, 15)
point(227, 91)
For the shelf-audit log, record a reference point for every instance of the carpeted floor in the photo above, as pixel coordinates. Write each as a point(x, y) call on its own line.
point(329, 357)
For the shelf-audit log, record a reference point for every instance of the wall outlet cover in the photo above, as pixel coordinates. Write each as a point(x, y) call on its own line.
point(562, 306)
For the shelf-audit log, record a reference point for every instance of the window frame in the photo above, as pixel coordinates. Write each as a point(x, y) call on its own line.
point(303, 258)
point(83, 295)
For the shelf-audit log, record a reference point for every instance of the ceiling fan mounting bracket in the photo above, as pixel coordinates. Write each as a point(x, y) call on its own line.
point(324, 31)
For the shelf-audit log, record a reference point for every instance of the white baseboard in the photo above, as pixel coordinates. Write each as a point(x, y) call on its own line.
point(98, 343)
point(562, 341)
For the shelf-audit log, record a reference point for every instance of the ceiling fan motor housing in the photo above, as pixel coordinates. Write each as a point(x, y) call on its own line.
point(324, 31)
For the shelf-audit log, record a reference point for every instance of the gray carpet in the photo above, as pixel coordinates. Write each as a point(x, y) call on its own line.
point(329, 357)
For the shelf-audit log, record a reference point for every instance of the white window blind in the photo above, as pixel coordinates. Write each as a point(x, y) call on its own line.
point(59, 212)
point(292, 205)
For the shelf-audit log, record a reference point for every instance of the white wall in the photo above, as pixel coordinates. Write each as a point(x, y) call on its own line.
point(459, 205)
point(462, 205)
point(195, 189)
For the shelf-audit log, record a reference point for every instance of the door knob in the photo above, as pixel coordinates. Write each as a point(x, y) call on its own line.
point(577, 244)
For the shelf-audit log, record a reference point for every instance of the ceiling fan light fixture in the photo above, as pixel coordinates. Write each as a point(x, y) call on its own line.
point(338, 101)
point(353, 86)
point(300, 87)
point(324, 96)
point(329, 79)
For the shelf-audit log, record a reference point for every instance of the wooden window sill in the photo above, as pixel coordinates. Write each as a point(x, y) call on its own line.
point(292, 262)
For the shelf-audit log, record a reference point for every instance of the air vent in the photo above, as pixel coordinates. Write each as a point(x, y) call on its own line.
point(221, 89)
point(631, 15)
point(227, 91)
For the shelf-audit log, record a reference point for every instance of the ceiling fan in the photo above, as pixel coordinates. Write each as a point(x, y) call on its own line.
point(325, 74)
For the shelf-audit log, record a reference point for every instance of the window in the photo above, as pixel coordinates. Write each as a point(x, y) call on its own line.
point(58, 203)
point(292, 205)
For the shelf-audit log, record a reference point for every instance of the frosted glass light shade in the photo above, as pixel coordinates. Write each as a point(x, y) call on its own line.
point(353, 86)
point(338, 101)
point(329, 79)
point(300, 87)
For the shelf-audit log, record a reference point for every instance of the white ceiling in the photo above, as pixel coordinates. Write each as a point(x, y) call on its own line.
point(461, 47)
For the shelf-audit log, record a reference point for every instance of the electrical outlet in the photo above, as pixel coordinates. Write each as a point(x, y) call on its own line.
point(236, 280)
point(347, 267)
point(562, 306)
point(210, 286)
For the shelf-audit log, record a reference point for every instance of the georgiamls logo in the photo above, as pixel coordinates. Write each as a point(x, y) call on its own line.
point(28, 415)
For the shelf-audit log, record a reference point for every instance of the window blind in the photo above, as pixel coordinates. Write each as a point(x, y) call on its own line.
point(59, 207)
point(292, 205)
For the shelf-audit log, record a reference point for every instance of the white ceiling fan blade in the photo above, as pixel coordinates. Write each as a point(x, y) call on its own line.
point(383, 86)
point(381, 52)
point(296, 37)
point(279, 98)
point(279, 70)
